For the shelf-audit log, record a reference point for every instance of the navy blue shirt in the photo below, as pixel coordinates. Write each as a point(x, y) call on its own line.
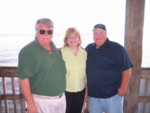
point(104, 68)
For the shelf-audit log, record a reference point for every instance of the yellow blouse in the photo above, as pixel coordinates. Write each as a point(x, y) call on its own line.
point(76, 69)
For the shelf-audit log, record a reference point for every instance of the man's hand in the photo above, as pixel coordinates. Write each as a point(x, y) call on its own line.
point(31, 108)
point(122, 91)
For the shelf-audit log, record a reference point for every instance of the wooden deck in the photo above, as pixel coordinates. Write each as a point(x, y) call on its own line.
point(11, 99)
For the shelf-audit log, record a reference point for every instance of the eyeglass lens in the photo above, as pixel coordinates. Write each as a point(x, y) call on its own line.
point(71, 37)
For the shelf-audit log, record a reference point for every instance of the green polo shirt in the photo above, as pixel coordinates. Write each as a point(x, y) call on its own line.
point(46, 71)
point(76, 69)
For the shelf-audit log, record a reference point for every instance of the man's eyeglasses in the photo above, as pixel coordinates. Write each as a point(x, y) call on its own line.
point(100, 33)
point(50, 32)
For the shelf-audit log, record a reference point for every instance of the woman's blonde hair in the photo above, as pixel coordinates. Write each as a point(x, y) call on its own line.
point(70, 31)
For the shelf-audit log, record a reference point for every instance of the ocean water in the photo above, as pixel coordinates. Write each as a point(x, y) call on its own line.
point(11, 45)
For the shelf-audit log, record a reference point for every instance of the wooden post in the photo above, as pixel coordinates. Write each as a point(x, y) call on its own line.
point(133, 44)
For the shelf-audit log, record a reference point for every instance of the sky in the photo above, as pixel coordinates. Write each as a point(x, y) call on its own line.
point(146, 34)
point(19, 16)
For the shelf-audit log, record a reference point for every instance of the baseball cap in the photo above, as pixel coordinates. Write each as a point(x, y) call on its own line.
point(101, 26)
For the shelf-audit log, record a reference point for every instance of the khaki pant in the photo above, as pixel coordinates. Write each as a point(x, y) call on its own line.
point(50, 105)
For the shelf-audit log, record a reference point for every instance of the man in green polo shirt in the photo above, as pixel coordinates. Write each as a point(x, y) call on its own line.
point(41, 72)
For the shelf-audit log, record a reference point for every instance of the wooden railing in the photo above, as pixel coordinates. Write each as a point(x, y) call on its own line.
point(145, 76)
point(12, 101)
point(144, 95)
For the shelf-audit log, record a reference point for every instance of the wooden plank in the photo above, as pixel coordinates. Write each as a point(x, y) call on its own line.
point(147, 94)
point(147, 87)
point(6, 106)
point(15, 106)
point(4, 92)
point(11, 97)
point(23, 106)
point(8, 71)
point(144, 99)
point(145, 73)
point(13, 85)
point(0, 105)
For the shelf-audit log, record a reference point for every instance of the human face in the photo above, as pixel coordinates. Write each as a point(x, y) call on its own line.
point(99, 36)
point(44, 38)
point(73, 40)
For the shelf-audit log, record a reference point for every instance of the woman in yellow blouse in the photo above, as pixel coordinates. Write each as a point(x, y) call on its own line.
point(75, 59)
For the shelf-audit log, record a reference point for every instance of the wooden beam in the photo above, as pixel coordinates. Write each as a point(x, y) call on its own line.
point(133, 44)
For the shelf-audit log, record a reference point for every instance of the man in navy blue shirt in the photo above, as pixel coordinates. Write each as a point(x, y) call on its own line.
point(108, 73)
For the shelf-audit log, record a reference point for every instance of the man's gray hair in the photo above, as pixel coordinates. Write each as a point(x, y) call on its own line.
point(46, 21)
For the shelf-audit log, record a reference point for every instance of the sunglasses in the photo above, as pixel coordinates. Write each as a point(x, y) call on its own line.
point(50, 32)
